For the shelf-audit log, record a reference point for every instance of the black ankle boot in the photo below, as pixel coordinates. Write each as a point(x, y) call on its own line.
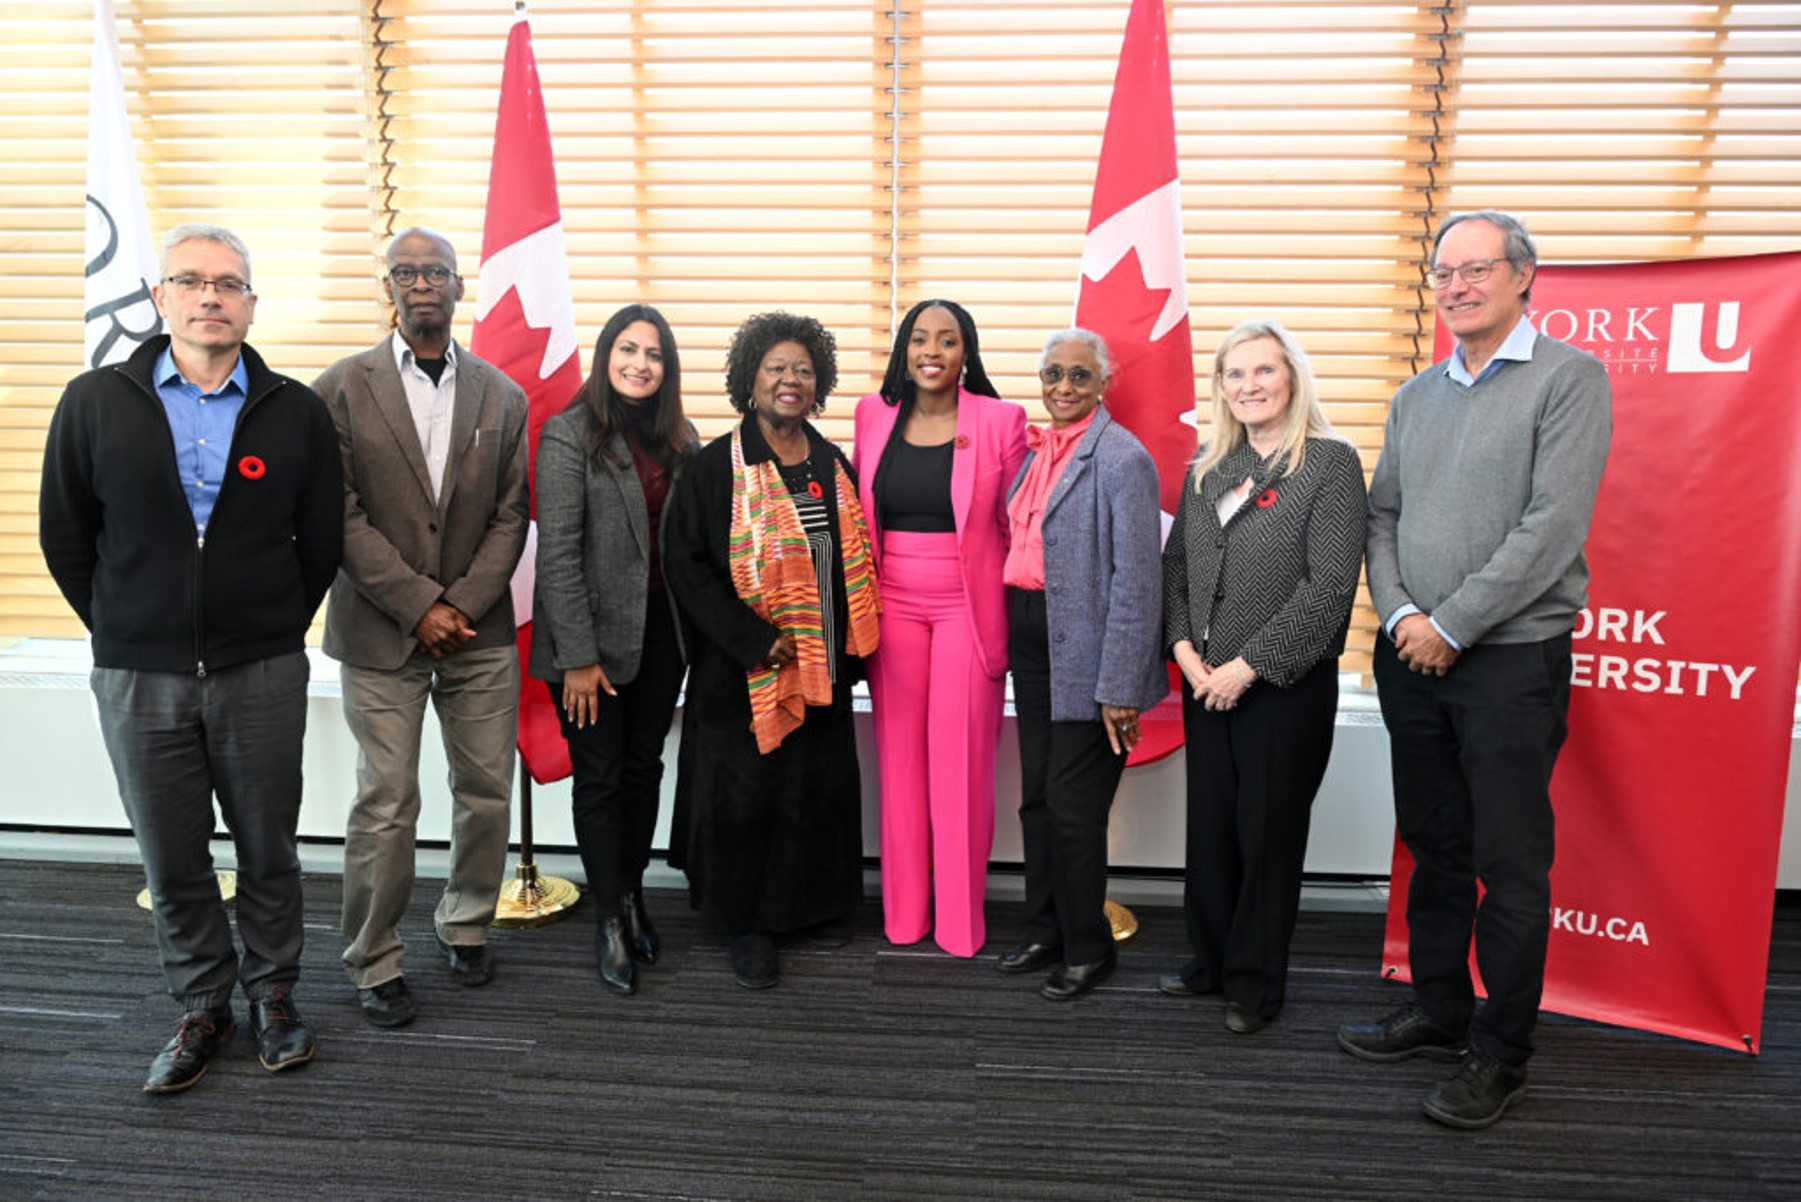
point(617, 972)
point(640, 934)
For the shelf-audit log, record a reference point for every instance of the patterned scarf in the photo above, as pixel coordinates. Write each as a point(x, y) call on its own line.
point(772, 571)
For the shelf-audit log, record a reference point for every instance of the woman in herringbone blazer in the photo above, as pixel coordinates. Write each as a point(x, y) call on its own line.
point(603, 631)
point(1258, 577)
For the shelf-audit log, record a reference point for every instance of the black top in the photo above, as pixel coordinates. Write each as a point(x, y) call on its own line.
point(118, 533)
point(913, 488)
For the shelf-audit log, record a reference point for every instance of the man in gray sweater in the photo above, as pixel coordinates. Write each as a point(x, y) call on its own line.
point(1478, 512)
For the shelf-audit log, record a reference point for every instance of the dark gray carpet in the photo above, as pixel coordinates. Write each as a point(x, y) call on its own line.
point(870, 1072)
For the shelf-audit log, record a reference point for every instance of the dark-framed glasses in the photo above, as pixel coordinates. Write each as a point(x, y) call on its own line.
point(1473, 272)
point(226, 286)
point(406, 275)
point(1078, 377)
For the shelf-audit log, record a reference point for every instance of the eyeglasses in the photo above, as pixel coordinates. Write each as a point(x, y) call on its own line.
point(190, 284)
point(1078, 377)
point(782, 369)
point(406, 275)
point(1473, 272)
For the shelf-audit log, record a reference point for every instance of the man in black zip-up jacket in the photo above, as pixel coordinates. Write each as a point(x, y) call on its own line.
point(192, 513)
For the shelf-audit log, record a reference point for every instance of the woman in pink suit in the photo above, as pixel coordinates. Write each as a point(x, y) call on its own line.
point(935, 452)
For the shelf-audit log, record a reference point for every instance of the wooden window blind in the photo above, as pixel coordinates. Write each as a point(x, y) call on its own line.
point(719, 157)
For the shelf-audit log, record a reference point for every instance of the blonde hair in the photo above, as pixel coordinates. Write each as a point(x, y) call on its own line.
point(1306, 419)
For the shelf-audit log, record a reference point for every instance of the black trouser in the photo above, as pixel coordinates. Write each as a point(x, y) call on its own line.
point(1068, 775)
point(1253, 772)
point(618, 764)
point(1473, 752)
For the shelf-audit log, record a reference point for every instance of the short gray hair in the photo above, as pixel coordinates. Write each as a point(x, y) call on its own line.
point(195, 232)
point(1087, 338)
point(1516, 245)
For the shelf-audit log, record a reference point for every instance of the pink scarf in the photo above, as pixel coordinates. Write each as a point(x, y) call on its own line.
point(1052, 450)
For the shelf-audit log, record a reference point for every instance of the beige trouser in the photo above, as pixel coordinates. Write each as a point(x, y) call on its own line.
point(475, 695)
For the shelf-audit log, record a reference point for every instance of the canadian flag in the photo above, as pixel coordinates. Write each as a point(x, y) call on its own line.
point(1133, 291)
point(121, 259)
point(525, 326)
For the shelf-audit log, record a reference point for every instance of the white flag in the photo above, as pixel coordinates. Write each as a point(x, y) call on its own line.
point(121, 259)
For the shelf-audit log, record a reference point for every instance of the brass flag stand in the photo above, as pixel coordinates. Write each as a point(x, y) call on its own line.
point(531, 899)
point(1122, 920)
point(228, 889)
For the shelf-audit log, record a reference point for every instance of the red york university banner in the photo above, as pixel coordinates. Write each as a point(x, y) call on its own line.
point(1669, 793)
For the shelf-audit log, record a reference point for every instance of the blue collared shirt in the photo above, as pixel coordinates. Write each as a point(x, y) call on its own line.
point(202, 425)
point(1515, 348)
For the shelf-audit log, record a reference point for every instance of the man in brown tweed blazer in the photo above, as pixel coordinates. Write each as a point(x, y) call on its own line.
point(435, 518)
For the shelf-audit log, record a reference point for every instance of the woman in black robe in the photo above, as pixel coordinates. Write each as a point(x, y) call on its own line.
point(767, 557)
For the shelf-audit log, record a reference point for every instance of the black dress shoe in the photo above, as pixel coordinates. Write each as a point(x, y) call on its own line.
point(182, 1062)
point(753, 958)
point(282, 1040)
point(471, 964)
point(1073, 980)
point(833, 932)
point(1405, 1033)
point(612, 947)
point(640, 935)
point(388, 1004)
point(1030, 957)
point(1242, 1020)
point(1479, 1094)
point(1176, 985)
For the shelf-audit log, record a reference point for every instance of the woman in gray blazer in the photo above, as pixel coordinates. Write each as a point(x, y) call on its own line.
point(1082, 606)
point(1258, 578)
point(603, 630)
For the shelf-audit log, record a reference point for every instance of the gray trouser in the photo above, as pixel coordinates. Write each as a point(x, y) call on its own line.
point(177, 741)
point(476, 697)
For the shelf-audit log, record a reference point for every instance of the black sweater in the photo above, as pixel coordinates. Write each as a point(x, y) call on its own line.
point(119, 537)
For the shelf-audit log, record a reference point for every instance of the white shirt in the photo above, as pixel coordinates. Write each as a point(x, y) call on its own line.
point(432, 406)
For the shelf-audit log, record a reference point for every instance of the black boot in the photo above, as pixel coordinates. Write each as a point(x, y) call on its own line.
point(641, 935)
point(617, 972)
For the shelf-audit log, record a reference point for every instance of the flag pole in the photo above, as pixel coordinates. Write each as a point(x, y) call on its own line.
point(531, 899)
point(1131, 289)
point(525, 326)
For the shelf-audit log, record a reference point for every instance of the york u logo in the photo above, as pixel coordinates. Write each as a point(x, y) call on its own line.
point(1693, 342)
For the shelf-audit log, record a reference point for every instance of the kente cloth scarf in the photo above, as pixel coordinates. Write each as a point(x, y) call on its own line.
point(772, 571)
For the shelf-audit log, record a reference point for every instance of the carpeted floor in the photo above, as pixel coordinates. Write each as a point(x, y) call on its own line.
point(870, 1072)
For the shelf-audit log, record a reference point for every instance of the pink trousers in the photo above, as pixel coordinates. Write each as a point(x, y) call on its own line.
point(937, 720)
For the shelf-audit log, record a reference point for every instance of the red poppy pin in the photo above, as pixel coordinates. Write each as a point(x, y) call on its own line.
point(961, 441)
point(251, 468)
point(1266, 498)
point(814, 490)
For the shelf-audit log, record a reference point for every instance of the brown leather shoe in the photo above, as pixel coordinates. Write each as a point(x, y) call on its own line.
point(182, 1062)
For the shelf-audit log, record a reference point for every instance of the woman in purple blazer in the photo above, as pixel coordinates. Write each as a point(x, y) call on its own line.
point(1084, 618)
point(935, 451)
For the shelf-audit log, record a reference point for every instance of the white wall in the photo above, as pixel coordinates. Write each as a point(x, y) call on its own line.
point(57, 775)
